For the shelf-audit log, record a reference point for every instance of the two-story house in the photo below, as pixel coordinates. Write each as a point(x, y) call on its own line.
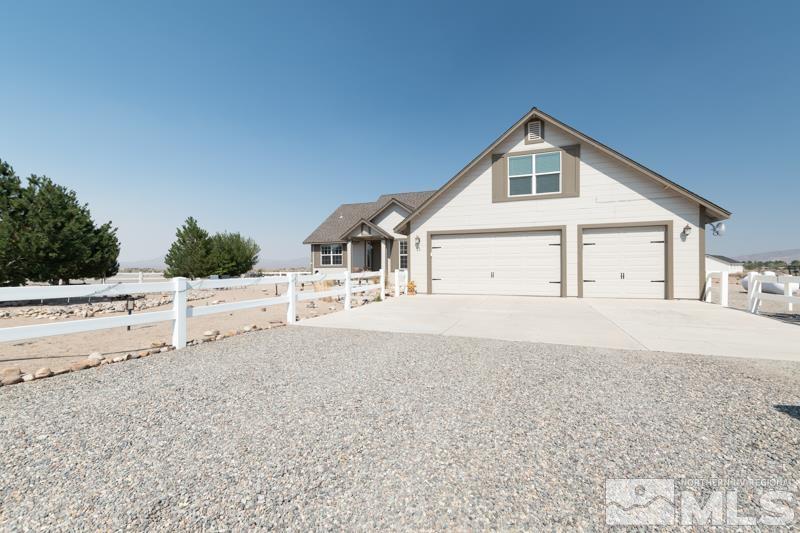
point(544, 210)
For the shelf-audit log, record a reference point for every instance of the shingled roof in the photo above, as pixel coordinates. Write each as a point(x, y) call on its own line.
point(346, 215)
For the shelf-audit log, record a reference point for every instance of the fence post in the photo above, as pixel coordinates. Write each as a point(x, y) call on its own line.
point(141, 277)
point(179, 309)
point(754, 289)
point(397, 283)
point(348, 291)
point(787, 291)
point(291, 293)
point(382, 292)
point(723, 289)
point(707, 288)
point(751, 290)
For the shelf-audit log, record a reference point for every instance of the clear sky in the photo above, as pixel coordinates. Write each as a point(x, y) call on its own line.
point(262, 117)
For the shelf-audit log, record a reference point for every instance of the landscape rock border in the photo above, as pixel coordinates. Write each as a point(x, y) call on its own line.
point(14, 375)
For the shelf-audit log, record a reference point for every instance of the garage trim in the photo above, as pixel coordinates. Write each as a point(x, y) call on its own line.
point(562, 229)
point(669, 293)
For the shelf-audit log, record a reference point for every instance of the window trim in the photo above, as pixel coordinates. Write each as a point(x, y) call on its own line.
point(401, 255)
point(331, 255)
point(534, 174)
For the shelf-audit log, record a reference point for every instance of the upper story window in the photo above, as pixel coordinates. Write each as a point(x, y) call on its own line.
point(403, 253)
point(534, 174)
point(331, 254)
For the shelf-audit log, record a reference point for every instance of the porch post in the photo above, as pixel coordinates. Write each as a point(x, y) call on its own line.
point(349, 246)
point(383, 255)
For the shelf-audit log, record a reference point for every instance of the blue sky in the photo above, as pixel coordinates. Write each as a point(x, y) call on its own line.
point(262, 117)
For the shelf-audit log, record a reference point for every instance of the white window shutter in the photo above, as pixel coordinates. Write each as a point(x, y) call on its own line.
point(535, 130)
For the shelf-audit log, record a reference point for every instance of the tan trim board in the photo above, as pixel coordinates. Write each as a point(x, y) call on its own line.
point(570, 174)
point(561, 229)
point(315, 256)
point(719, 212)
point(669, 286)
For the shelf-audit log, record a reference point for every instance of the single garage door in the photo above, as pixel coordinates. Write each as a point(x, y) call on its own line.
point(518, 263)
point(624, 262)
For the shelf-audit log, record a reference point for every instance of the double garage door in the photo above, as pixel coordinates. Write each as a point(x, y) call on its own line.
point(616, 263)
point(519, 263)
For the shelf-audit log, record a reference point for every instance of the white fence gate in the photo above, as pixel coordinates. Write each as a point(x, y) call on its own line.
point(181, 312)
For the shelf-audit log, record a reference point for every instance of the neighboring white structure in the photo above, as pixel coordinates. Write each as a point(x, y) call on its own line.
point(547, 210)
point(722, 263)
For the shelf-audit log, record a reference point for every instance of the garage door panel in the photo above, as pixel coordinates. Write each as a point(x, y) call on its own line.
point(518, 263)
point(624, 262)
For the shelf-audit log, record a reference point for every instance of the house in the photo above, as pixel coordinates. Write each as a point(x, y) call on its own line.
point(361, 237)
point(720, 263)
point(544, 210)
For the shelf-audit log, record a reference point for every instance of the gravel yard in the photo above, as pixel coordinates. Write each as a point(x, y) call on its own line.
point(306, 428)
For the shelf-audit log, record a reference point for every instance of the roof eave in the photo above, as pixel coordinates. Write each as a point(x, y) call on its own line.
point(713, 211)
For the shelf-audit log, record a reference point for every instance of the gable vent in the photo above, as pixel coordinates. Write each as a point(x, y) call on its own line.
point(534, 130)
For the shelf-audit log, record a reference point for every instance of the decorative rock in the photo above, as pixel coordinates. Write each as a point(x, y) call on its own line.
point(118, 359)
point(79, 365)
point(134, 355)
point(13, 371)
point(127, 356)
point(43, 372)
point(61, 371)
point(211, 333)
point(96, 356)
point(157, 344)
point(219, 337)
point(248, 328)
point(93, 362)
point(27, 377)
point(144, 353)
point(10, 376)
point(164, 349)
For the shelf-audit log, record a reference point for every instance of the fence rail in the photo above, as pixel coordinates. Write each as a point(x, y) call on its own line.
point(755, 293)
point(180, 311)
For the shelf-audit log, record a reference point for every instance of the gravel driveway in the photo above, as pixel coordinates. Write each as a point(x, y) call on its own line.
point(313, 428)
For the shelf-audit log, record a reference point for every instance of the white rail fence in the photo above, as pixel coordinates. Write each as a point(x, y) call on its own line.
point(181, 312)
point(756, 294)
point(723, 287)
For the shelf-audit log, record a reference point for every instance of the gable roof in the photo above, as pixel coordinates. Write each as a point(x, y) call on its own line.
point(713, 211)
point(369, 224)
point(725, 259)
point(346, 216)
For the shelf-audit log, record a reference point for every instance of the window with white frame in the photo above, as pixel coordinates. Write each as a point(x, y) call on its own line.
point(331, 254)
point(534, 174)
point(403, 253)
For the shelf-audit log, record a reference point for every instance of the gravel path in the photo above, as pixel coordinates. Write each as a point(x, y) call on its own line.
point(305, 428)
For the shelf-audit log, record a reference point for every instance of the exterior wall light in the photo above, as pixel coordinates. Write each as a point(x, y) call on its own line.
point(416, 242)
point(687, 229)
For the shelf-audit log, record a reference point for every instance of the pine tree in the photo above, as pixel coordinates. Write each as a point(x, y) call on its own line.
point(12, 213)
point(60, 241)
point(189, 255)
point(232, 254)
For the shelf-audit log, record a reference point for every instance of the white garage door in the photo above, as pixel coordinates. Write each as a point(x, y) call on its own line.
point(624, 262)
point(519, 263)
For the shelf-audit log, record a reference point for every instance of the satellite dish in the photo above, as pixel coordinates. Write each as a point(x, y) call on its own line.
point(718, 229)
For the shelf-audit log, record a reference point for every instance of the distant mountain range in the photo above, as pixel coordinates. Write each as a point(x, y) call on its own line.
point(266, 264)
point(778, 255)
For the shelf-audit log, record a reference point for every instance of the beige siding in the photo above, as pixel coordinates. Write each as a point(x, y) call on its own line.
point(389, 218)
point(610, 192)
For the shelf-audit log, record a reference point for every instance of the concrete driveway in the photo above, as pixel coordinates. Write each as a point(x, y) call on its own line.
point(670, 326)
